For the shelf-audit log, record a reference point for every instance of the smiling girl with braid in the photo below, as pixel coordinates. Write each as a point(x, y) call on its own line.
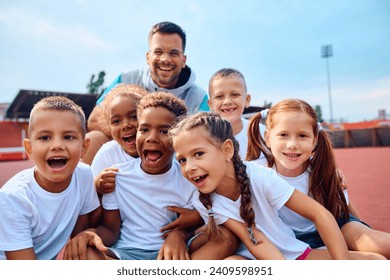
point(245, 197)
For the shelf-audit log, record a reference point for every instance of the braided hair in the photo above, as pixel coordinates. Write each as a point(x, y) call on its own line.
point(220, 130)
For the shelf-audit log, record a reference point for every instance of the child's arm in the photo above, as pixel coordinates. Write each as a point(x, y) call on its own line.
point(76, 248)
point(82, 223)
point(107, 234)
point(204, 248)
point(109, 231)
point(264, 250)
point(187, 220)
point(105, 181)
point(344, 183)
point(24, 254)
point(174, 247)
point(324, 221)
point(353, 210)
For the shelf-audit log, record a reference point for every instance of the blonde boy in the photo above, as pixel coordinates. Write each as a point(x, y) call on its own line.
point(228, 97)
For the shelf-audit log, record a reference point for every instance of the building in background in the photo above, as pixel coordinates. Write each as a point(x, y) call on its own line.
point(14, 118)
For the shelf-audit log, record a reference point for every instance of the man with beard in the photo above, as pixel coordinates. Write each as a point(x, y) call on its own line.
point(167, 71)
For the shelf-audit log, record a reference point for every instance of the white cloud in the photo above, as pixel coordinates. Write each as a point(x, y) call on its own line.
point(355, 101)
point(37, 28)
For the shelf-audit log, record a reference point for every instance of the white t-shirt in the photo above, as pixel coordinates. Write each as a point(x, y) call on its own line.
point(297, 222)
point(269, 194)
point(33, 217)
point(143, 200)
point(109, 154)
point(242, 138)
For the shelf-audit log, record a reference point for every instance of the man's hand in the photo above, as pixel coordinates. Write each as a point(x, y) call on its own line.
point(76, 249)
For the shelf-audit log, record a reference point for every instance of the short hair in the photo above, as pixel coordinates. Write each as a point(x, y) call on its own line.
point(163, 99)
point(134, 91)
point(61, 104)
point(227, 73)
point(168, 27)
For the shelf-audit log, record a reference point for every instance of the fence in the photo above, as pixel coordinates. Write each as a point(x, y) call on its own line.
point(369, 137)
point(11, 140)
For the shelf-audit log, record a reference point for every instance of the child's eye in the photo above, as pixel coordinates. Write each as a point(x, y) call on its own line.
point(115, 122)
point(69, 137)
point(143, 130)
point(181, 160)
point(198, 154)
point(133, 117)
point(44, 138)
point(164, 131)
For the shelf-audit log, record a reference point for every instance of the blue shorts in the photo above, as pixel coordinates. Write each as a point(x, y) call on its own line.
point(140, 254)
point(134, 254)
point(313, 238)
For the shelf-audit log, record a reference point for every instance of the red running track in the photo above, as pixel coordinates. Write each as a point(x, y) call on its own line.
point(367, 171)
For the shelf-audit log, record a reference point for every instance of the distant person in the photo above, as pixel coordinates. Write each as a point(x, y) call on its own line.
point(228, 97)
point(246, 197)
point(296, 146)
point(167, 71)
point(42, 207)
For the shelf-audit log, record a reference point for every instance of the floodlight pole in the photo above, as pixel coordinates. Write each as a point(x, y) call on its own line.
point(326, 53)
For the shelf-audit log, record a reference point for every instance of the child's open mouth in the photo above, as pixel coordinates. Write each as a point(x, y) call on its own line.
point(230, 110)
point(152, 156)
point(57, 162)
point(129, 138)
point(199, 180)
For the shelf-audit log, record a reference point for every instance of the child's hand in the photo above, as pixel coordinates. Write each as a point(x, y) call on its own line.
point(105, 181)
point(76, 249)
point(343, 179)
point(187, 219)
point(174, 247)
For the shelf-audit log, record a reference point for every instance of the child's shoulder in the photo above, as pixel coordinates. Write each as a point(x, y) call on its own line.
point(110, 145)
point(83, 172)
point(83, 167)
point(257, 171)
point(257, 164)
point(128, 166)
point(22, 179)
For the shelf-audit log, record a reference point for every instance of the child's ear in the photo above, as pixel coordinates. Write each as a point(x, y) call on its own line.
point(315, 142)
point(209, 103)
point(27, 148)
point(85, 147)
point(266, 138)
point(247, 100)
point(228, 149)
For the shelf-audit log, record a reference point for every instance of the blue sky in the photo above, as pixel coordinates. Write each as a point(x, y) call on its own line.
point(58, 45)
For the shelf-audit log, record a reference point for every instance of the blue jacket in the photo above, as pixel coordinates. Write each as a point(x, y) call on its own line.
point(194, 96)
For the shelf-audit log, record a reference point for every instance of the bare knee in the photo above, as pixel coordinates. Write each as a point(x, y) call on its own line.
point(236, 258)
point(219, 248)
